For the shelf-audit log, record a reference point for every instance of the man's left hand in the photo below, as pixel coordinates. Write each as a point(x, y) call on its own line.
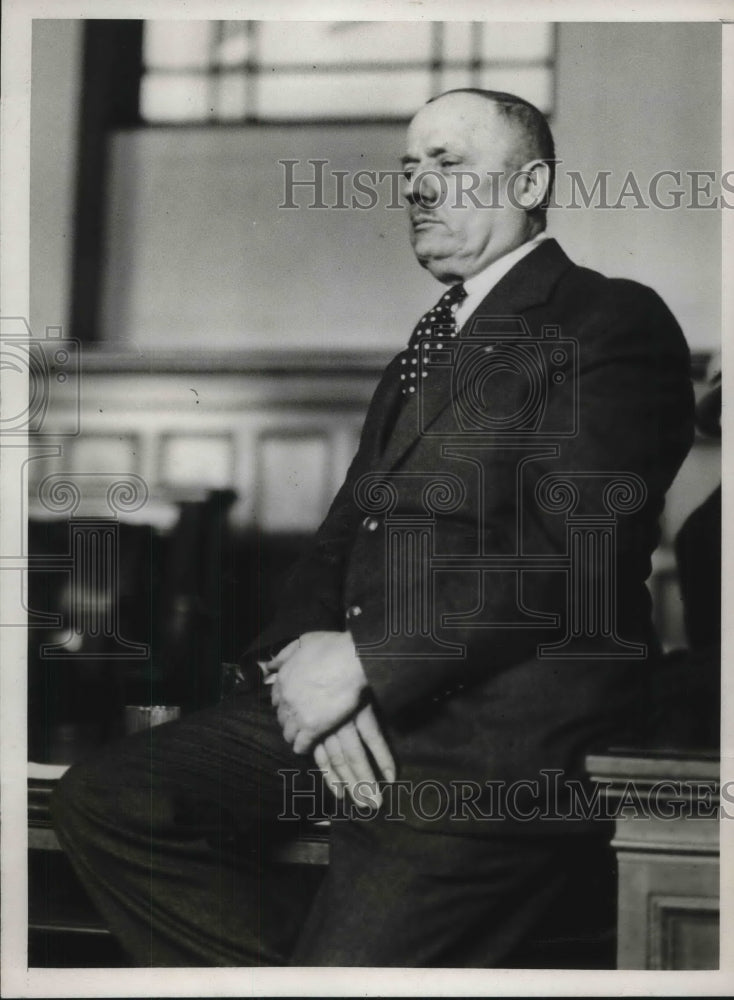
point(318, 684)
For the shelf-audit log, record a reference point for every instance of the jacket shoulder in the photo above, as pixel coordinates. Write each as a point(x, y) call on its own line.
point(621, 304)
point(625, 290)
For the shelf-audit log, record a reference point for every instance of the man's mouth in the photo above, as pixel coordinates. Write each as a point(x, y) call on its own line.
point(423, 221)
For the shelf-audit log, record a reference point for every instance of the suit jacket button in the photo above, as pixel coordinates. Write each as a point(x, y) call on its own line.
point(371, 523)
point(354, 611)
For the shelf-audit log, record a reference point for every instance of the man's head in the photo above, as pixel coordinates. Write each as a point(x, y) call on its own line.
point(479, 169)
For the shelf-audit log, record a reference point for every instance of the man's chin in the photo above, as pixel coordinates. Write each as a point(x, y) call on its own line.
point(441, 266)
point(435, 249)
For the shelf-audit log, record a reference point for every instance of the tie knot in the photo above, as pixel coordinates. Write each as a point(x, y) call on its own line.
point(454, 296)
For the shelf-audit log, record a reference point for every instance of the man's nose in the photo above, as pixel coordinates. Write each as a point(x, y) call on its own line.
point(425, 187)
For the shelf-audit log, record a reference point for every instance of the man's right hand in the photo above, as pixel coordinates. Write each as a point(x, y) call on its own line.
point(341, 756)
point(343, 760)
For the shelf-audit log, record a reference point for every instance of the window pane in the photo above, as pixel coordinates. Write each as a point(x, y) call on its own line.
point(269, 62)
point(451, 79)
point(457, 40)
point(236, 45)
point(517, 41)
point(314, 42)
point(231, 96)
point(177, 44)
point(340, 95)
point(174, 97)
point(535, 85)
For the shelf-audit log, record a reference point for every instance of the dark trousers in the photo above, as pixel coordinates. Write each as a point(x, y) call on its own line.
point(171, 832)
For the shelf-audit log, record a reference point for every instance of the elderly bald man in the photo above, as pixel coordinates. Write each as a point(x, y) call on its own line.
point(443, 658)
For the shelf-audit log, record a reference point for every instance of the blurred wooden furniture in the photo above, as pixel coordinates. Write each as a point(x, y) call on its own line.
point(666, 809)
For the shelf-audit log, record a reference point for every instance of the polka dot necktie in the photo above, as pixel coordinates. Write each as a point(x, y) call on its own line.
point(436, 324)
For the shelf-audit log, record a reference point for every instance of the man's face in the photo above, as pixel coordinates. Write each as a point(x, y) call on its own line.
point(459, 154)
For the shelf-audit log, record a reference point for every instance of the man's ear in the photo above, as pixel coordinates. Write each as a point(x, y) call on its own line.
point(531, 183)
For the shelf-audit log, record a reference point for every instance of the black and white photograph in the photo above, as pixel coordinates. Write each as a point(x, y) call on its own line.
point(361, 482)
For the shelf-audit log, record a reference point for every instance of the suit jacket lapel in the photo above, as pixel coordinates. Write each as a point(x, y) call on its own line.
point(383, 407)
point(529, 283)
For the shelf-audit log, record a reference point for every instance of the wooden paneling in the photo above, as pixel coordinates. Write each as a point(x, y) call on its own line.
point(198, 460)
point(280, 429)
point(102, 453)
point(293, 478)
point(684, 932)
point(668, 856)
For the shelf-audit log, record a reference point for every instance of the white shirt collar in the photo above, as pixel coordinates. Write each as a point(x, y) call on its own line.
point(479, 285)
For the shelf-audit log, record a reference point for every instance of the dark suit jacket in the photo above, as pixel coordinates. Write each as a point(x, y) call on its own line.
point(590, 386)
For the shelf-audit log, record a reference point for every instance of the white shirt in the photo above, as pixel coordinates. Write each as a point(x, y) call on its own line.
point(479, 285)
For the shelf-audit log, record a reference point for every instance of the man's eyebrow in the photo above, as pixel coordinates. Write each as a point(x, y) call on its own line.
point(433, 152)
